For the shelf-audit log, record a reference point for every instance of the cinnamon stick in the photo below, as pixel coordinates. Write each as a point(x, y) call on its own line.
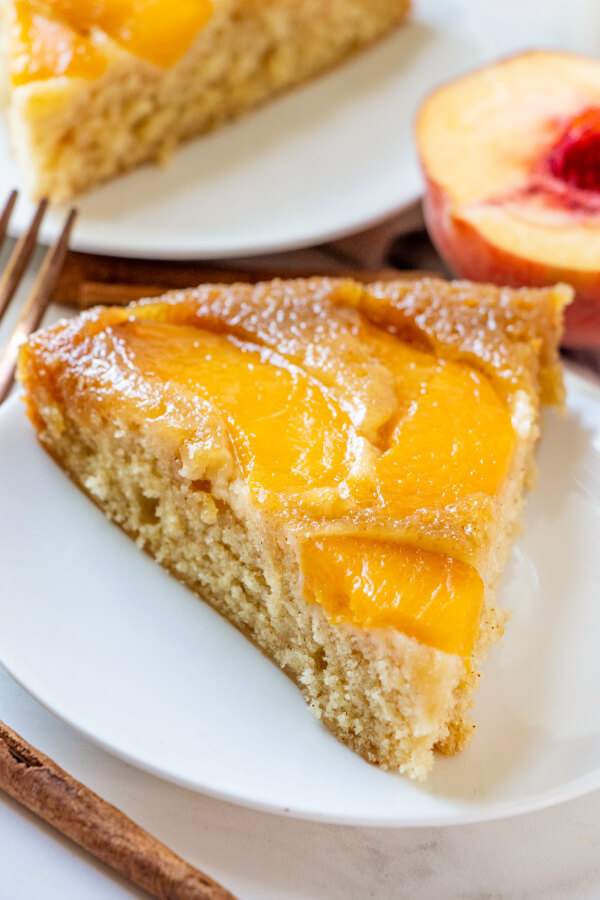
point(38, 783)
point(88, 280)
point(97, 293)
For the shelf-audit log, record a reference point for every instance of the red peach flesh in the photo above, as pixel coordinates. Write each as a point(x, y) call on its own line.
point(575, 158)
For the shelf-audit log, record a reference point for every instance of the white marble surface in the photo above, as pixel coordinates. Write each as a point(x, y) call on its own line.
point(551, 854)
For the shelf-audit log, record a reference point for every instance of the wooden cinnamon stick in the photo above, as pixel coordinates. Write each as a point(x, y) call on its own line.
point(38, 783)
point(97, 293)
point(88, 280)
point(84, 267)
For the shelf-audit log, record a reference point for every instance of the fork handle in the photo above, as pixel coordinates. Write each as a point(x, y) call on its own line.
point(35, 305)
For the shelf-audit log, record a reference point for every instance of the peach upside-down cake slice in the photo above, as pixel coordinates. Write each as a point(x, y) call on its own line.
point(92, 89)
point(337, 468)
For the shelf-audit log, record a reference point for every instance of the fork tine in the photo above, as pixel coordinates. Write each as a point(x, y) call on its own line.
point(35, 306)
point(6, 214)
point(20, 257)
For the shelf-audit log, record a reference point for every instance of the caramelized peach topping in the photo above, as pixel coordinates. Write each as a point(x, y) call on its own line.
point(68, 37)
point(334, 424)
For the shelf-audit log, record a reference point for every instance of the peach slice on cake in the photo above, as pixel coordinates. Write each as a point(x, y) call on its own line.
point(511, 158)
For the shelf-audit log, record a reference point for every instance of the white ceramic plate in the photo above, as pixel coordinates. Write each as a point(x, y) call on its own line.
point(113, 645)
point(325, 160)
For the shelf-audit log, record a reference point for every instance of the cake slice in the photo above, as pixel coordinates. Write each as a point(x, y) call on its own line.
point(94, 88)
point(337, 468)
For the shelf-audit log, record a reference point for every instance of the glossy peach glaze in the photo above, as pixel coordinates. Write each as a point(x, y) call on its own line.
point(336, 418)
point(44, 47)
point(287, 432)
point(57, 37)
point(378, 584)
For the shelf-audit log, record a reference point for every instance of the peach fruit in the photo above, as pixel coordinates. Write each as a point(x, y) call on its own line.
point(511, 159)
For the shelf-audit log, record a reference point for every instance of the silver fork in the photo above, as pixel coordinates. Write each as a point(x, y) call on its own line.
point(38, 300)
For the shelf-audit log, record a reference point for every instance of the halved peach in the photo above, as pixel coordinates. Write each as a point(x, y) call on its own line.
point(511, 158)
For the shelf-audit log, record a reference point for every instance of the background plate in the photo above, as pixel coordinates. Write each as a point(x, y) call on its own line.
point(327, 159)
point(330, 158)
point(113, 645)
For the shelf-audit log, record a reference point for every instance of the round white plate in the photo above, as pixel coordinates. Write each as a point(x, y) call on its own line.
point(327, 159)
point(113, 645)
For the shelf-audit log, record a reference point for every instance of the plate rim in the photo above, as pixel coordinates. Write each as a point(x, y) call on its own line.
point(82, 242)
point(571, 790)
